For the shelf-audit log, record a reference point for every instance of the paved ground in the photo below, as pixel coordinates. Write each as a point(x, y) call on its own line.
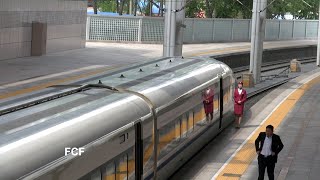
point(114, 55)
point(231, 155)
point(25, 76)
point(34, 73)
point(299, 131)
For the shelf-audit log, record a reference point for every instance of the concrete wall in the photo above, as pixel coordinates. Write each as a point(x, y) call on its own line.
point(66, 20)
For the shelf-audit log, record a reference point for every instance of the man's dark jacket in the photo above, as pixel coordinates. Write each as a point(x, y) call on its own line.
point(276, 145)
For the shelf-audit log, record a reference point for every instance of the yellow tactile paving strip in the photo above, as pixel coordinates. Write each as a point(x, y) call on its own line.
point(244, 157)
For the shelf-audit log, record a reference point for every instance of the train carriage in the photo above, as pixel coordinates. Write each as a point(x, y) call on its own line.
point(114, 125)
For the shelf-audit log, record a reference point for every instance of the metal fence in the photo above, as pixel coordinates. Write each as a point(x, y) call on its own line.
point(151, 30)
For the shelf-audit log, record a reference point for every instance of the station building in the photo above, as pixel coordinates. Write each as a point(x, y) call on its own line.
point(53, 25)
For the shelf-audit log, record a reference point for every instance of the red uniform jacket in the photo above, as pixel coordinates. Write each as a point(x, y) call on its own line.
point(238, 107)
point(208, 97)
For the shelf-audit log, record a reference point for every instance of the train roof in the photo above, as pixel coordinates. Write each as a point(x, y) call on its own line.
point(145, 76)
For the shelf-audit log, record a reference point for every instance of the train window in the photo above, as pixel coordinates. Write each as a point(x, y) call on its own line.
point(184, 125)
point(225, 96)
point(199, 113)
point(96, 175)
point(172, 134)
point(226, 82)
point(167, 135)
point(230, 88)
point(119, 169)
point(178, 128)
point(122, 168)
point(109, 173)
point(148, 151)
point(216, 103)
point(191, 120)
point(131, 164)
point(208, 100)
point(230, 94)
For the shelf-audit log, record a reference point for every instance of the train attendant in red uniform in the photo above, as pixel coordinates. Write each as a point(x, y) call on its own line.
point(240, 97)
point(208, 97)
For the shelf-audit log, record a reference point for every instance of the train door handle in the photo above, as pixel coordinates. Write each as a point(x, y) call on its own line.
point(123, 137)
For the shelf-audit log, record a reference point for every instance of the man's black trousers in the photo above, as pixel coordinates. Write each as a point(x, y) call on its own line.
point(266, 162)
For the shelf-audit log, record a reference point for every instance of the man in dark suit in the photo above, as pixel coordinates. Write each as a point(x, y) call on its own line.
point(268, 146)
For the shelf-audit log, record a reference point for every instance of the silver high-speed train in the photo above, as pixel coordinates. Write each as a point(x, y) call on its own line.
point(114, 121)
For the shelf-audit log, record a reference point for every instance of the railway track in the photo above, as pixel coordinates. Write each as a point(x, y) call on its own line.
point(274, 65)
point(270, 67)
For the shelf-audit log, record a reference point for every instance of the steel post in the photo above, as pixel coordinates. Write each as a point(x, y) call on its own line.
point(318, 53)
point(167, 23)
point(135, 7)
point(173, 25)
point(261, 33)
point(253, 34)
point(256, 43)
point(258, 37)
point(180, 16)
point(161, 7)
point(130, 7)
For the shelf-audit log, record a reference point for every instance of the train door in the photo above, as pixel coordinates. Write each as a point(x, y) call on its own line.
point(138, 151)
point(221, 103)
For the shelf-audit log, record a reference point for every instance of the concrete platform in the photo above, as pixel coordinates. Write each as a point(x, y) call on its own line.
point(25, 76)
point(113, 55)
point(300, 133)
point(294, 112)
